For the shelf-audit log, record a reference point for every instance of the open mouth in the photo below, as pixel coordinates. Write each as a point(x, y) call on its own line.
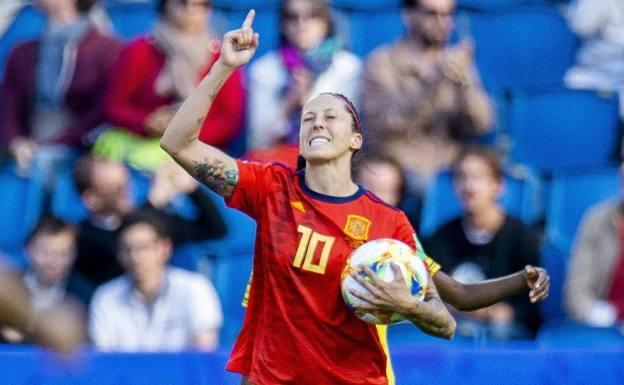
point(318, 141)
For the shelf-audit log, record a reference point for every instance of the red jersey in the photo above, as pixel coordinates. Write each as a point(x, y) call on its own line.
point(297, 328)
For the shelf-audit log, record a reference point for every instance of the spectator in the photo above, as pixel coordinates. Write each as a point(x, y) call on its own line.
point(155, 73)
point(423, 97)
point(594, 286)
point(599, 65)
point(105, 190)
point(51, 97)
point(309, 61)
point(153, 307)
point(51, 252)
point(384, 177)
point(485, 242)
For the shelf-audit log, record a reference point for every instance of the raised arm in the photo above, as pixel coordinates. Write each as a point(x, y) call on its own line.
point(474, 296)
point(207, 164)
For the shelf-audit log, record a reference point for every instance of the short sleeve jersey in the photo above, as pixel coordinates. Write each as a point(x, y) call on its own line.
point(297, 328)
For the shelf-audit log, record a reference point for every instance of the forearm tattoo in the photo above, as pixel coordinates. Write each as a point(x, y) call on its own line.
point(436, 320)
point(216, 176)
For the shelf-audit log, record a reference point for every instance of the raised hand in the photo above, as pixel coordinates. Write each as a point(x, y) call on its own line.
point(538, 280)
point(240, 45)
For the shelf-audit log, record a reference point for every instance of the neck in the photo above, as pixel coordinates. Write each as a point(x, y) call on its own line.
point(150, 286)
point(331, 178)
point(489, 219)
point(63, 16)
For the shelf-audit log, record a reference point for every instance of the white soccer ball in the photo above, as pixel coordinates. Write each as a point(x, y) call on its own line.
point(378, 255)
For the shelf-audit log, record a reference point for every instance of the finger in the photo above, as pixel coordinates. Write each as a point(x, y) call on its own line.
point(256, 40)
point(396, 270)
point(371, 274)
point(367, 285)
point(362, 296)
point(249, 19)
point(541, 279)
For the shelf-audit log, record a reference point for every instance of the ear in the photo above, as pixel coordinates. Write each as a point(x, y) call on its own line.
point(501, 188)
point(356, 141)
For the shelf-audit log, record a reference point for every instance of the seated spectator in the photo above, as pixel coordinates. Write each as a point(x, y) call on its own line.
point(594, 285)
point(51, 252)
point(309, 61)
point(155, 74)
point(599, 65)
point(423, 97)
point(153, 307)
point(51, 96)
point(485, 242)
point(104, 188)
point(384, 177)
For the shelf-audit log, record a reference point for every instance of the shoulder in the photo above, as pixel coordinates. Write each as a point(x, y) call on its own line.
point(347, 58)
point(374, 201)
point(452, 226)
point(111, 292)
point(268, 66)
point(24, 49)
point(381, 53)
point(191, 282)
point(96, 37)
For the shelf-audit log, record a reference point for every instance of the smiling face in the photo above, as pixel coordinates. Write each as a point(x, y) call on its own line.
point(326, 131)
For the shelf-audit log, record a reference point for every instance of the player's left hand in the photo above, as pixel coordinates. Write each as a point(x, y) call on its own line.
point(538, 280)
point(393, 296)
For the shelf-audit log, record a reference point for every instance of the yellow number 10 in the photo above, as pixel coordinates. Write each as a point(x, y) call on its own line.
point(304, 259)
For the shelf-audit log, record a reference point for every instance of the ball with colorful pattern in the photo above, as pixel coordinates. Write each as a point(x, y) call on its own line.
point(378, 255)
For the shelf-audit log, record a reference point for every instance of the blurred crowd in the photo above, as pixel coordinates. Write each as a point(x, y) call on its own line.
point(79, 100)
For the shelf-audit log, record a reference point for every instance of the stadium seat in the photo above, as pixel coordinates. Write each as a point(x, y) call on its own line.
point(521, 198)
point(571, 194)
point(364, 29)
point(21, 203)
point(131, 19)
point(493, 5)
point(569, 334)
point(563, 128)
point(521, 48)
point(28, 24)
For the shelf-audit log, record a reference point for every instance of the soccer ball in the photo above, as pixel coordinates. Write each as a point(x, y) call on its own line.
point(378, 256)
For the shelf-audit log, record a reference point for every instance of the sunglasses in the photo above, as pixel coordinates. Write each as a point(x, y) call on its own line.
point(204, 3)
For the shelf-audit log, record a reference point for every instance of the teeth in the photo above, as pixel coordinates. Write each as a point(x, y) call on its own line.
point(318, 141)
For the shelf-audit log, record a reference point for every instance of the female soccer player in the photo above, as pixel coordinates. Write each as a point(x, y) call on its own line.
point(297, 329)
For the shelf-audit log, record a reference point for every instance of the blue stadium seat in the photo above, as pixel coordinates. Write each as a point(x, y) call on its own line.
point(365, 4)
point(571, 194)
point(521, 198)
point(131, 19)
point(521, 48)
point(563, 128)
point(28, 24)
point(569, 334)
point(494, 5)
point(21, 202)
point(365, 29)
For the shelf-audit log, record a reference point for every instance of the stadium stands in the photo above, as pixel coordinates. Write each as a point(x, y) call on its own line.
point(559, 129)
point(21, 202)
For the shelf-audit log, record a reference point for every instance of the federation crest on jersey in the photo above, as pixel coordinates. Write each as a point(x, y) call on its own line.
point(356, 229)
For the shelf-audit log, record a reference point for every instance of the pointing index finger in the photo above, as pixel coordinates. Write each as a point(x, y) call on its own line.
point(249, 19)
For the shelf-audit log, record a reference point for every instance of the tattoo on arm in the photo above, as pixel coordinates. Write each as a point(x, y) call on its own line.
point(435, 320)
point(215, 175)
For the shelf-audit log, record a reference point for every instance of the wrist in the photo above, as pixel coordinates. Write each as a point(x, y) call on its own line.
point(221, 67)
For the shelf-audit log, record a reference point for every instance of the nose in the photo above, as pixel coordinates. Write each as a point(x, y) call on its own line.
point(319, 122)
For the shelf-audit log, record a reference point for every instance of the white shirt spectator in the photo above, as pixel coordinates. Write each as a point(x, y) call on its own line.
point(268, 77)
point(120, 320)
point(600, 59)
